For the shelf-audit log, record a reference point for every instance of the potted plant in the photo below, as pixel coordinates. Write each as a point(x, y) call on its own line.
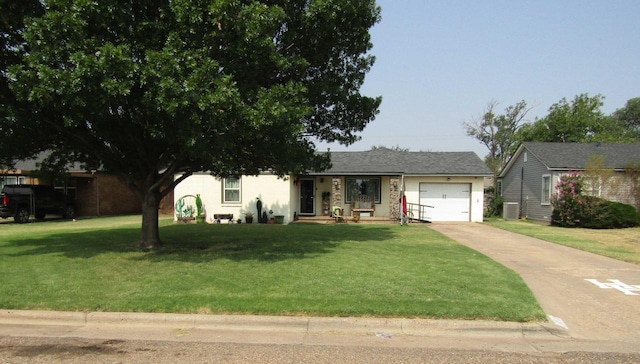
point(239, 221)
point(248, 217)
point(200, 216)
point(187, 214)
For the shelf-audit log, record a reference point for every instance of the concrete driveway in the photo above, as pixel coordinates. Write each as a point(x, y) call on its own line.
point(593, 298)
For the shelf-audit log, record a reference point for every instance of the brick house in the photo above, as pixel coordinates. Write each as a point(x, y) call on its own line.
point(97, 193)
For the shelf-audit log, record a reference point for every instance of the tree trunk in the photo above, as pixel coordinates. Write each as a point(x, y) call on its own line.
point(150, 230)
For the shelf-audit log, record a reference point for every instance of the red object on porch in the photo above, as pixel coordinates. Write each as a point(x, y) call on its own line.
point(404, 204)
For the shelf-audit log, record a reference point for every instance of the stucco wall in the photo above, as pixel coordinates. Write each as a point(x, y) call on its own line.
point(274, 193)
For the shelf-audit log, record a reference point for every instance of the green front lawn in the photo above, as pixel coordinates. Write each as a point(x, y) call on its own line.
point(299, 269)
point(621, 244)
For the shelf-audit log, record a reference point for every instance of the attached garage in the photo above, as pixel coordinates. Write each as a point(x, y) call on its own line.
point(452, 182)
point(449, 201)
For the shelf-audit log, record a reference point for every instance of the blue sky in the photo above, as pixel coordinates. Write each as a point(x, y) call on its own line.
point(439, 63)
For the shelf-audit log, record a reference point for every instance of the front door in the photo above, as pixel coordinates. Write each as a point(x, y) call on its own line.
point(307, 197)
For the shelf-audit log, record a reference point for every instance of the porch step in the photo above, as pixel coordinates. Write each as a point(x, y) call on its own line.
point(347, 219)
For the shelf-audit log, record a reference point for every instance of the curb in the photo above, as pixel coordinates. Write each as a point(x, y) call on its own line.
point(286, 324)
point(24, 317)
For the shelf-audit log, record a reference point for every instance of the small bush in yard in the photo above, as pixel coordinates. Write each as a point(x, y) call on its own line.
point(573, 209)
point(495, 205)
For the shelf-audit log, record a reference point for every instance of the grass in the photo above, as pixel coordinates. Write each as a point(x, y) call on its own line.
point(621, 244)
point(298, 269)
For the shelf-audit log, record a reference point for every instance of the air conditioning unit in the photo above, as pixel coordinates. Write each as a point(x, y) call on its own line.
point(510, 211)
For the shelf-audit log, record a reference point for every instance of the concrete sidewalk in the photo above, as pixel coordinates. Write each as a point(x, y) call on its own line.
point(592, 297)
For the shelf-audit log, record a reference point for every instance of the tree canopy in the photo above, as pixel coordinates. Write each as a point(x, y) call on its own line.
point(396, 147)
point(496, 132)
point(12, 48)
point(151, 89)
point(578, 121)
point(629, 116)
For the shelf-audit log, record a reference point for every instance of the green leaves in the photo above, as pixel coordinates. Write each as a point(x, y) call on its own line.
point(230, 87)
point(497, 132)
point(629, 116)
point(580, 120)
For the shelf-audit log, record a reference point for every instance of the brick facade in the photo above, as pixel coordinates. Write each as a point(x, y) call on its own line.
point(394, 197)
point(336, 193)
point(103, 194)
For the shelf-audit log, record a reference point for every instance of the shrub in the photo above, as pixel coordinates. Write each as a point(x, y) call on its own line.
point(573, 209)
point(568, 204)
point(495, 206)
point(611, 215)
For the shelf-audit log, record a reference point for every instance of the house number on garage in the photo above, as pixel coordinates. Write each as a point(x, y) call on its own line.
point(627, 289)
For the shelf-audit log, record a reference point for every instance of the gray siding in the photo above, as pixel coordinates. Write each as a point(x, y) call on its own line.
point(523, 184)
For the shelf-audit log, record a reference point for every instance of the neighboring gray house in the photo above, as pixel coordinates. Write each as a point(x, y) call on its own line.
point(529, 179)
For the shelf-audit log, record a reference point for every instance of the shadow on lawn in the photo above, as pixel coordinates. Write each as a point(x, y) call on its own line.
point(202, 243)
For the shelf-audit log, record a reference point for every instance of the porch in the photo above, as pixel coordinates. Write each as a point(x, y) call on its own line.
point(348, 220)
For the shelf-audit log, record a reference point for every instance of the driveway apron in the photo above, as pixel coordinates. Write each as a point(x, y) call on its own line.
point(591, 296)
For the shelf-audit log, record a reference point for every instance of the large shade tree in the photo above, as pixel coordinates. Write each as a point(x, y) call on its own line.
point(153, 89)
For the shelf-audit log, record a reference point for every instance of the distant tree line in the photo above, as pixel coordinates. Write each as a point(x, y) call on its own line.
point(580, 120)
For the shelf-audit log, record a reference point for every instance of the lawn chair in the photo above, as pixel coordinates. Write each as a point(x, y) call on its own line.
point(338, 214)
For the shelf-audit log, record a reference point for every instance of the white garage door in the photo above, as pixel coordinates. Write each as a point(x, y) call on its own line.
point(450, 201)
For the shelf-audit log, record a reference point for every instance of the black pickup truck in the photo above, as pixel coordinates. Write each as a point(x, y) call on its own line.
point(20, 201)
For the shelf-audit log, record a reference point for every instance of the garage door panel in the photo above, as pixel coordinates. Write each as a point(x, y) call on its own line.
point(450, 201)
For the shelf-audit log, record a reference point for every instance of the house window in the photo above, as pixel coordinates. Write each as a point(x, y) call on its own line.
point(546, 190)
point(231, 190)
point(68, 188)
point(592, 186)
point(363, 186)
point(499, 188)
point(12, 180)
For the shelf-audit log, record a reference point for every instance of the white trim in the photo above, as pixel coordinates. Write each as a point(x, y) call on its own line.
point(224, 190)
point(542, 192)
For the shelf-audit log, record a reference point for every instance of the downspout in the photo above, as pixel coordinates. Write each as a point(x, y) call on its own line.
point(400, 207)
point(521, 192)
